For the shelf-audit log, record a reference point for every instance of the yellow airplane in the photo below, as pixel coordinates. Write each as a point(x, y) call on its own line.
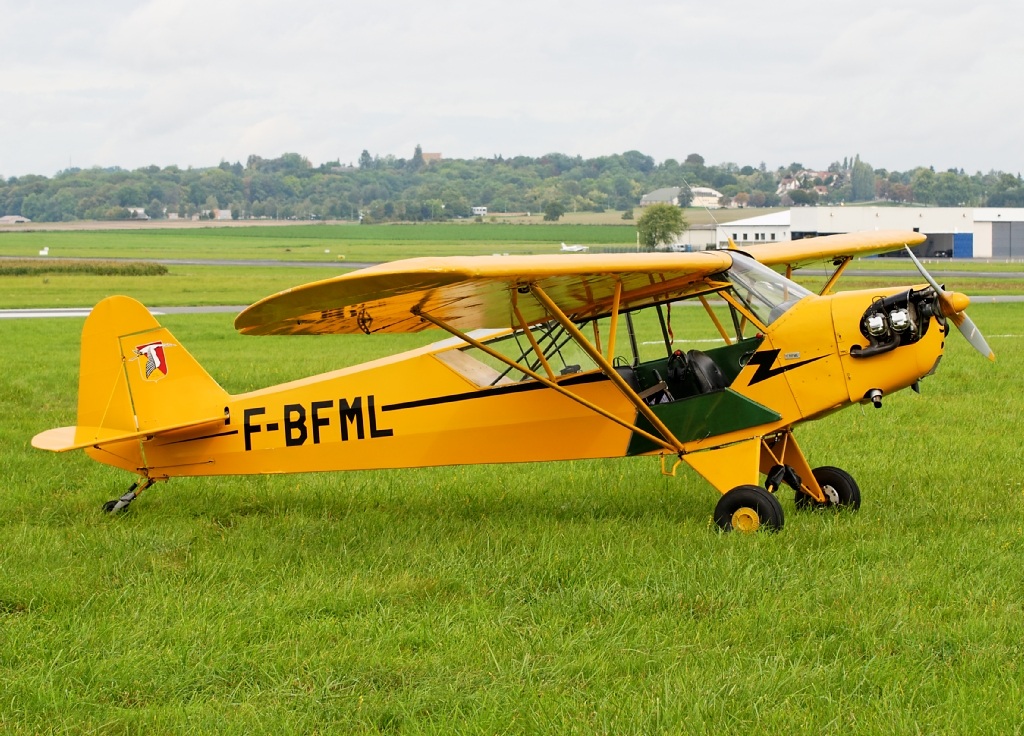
point(536, 369)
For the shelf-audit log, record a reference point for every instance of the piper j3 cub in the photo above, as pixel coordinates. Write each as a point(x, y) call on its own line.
point(548, 361)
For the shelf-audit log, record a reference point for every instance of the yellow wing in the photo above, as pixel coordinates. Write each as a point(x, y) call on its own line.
point(832, 248)
point(478, 291)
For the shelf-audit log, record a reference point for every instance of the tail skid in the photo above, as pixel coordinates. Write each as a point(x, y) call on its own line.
point(135, 381)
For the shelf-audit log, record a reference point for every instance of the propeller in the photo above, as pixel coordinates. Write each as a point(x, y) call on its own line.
point(954, 306)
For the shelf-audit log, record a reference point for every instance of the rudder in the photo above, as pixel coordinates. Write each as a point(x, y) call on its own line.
point(135, 379)
point(135, 376)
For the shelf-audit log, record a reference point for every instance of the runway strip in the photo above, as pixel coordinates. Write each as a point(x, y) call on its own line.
point(228, 309)
point(84, 311)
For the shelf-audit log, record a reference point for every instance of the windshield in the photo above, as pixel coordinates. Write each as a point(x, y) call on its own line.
point(766, 293)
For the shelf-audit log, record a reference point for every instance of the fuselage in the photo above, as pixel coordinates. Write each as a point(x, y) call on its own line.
point(440, 406)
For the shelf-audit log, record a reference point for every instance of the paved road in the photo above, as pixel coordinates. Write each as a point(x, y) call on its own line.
point(84, 311)
point(909, 274)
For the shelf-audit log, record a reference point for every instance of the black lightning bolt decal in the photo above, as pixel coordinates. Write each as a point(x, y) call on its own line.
point(764, 361)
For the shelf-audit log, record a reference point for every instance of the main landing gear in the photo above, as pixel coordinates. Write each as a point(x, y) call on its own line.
point(121, 504)
point(750, 508)
point(840, 489)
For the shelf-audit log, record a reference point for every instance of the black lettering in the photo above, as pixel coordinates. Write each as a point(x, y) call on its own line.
point(298, 424)
point(372, 411)
point(248, 428)
point(353, 413)
point(317, 421)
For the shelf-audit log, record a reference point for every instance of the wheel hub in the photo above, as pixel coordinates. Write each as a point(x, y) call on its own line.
point(831, 494)
point(745, 520)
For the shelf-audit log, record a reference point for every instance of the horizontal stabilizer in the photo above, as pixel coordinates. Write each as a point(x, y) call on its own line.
point(63, 439)
point(135, 381)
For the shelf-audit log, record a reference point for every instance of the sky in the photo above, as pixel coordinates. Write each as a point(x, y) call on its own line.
point(179, 82)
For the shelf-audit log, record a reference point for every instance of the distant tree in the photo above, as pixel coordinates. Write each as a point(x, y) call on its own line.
point(416, 163)
point(803, 196)
point(155, 210)
point(638, 161)
point(901, 193)
point(553, 210)
point(365, 160)
point(660, 224)
point(695, 159)
point(862, 181)
point(628, 214)
point(923, 183)
point(952, 190)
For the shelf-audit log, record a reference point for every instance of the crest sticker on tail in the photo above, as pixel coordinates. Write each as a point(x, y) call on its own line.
point(155, 366)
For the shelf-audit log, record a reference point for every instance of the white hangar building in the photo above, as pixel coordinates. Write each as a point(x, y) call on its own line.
point(960, 232)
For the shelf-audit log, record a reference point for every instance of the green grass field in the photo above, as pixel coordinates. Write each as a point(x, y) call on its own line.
point(583, 597)
point(181, 286)
point(239, 285)
point(309, 242)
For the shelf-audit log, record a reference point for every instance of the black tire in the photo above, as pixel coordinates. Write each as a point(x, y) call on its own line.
point(749, 509)
point(847, 492)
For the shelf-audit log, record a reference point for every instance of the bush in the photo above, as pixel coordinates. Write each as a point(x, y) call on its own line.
point(17, 267)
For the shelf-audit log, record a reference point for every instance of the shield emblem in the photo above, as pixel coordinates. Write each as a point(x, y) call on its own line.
point(152, 359)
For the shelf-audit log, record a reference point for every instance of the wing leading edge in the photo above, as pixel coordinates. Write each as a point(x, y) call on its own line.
point(483, 292)
point(798, 253)
point(475, 292)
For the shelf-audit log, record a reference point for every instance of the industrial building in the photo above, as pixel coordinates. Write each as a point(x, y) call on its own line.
point(958, 232)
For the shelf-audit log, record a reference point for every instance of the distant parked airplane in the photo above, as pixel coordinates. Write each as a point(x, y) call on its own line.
point(574, 248)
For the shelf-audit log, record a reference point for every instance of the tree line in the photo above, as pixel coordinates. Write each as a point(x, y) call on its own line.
point(381, 189)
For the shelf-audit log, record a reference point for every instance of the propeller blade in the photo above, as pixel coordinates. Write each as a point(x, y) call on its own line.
point(927, 276)
point(954, 306)
point(970, 331)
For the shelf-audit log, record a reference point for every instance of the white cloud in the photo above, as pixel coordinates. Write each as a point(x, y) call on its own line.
point(115, 82)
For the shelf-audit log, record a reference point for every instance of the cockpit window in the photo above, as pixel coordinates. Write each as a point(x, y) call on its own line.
point(766, 293)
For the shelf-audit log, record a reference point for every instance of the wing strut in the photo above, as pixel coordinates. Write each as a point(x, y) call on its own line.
point(675, 448)
point(670, 442)
point(533, 341)
point(840, 264)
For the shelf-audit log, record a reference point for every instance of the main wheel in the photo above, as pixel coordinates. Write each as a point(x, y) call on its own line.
point(749, 509)
point(841, 490)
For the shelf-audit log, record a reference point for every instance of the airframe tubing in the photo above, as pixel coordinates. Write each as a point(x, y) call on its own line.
point(748, 316)
point(614, 323)
point(714, 318)
point(670, 439)
point(834, 277)
point(550, 384)
point(533, 341)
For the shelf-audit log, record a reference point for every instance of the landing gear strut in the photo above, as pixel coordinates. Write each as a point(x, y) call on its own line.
point(841, 490)
point(121, 504)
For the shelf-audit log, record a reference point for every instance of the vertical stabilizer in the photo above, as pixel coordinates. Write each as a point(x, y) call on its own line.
point(135, 377)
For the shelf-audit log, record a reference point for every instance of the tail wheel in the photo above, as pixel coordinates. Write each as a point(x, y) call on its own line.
point(841, 490)
point(749, 509)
